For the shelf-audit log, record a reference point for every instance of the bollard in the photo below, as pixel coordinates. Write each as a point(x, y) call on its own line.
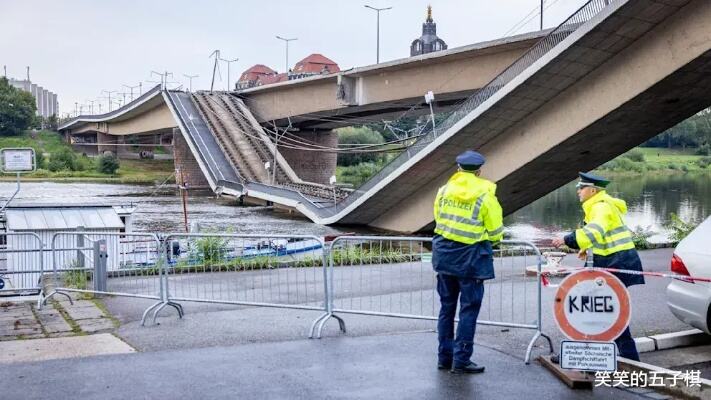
point(100, 258)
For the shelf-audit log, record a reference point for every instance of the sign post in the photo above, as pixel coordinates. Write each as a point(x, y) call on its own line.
point(16, 160)
point(592, 308)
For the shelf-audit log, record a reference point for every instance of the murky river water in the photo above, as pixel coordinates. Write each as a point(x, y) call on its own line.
point(651, 200)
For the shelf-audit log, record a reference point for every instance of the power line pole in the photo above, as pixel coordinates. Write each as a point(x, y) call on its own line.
point(541, 25)
point(190, 77)
point(163, 78)
point(215, 68)
point(131, 89)
point(28, 73)
point(286, 41)
point(108, 92)
point(91, 106)
point(4, 68)
point(229, 62)
point(377, 11)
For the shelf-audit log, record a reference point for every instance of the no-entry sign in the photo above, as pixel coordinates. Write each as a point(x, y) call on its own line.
point(592, 305)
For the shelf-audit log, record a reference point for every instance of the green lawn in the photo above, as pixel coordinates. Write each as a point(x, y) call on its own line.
point(661, 160)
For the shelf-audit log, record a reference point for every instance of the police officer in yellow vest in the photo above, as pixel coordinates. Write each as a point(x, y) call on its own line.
point(610, 240)
point(468, 221)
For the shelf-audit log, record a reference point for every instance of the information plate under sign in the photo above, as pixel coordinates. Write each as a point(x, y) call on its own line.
point(592, 305)
point(18, 160)
point(588, 356)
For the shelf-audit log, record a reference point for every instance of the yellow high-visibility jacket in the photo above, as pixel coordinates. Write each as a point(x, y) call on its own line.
point(466, 210)
point(604, 231)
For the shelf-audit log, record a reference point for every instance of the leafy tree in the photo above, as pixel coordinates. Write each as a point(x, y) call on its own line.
point(107, 164)
point(17, 109)
point(362, 135)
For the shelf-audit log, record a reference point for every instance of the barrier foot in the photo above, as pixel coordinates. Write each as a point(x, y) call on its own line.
point(529, 349)
point(164, 304)
point(313, 325)
point(178, 307)
point(145, 313)
point(341, 324)
point(44, 301)
point(40, 300)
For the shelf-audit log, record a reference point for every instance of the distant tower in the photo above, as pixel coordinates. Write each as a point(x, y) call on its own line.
point(428, 42)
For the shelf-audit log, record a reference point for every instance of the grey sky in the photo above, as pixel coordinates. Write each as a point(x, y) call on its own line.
point(76, 48)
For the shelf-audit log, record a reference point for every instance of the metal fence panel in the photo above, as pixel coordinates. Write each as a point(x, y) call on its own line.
point(285, 271)
point(131, 263)
point(21, 263)
point(393, 277)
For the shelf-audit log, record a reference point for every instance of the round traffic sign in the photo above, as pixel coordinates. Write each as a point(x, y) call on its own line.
point(2, 283)
point(592, 305)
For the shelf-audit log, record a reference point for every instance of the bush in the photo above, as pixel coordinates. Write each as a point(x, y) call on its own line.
point(64, 160)
point(640, 237)
point(704, 150)
point(635, 155)
point(358, 174)
point(704, 162)
point(362, 135)
point(107, 164)
point(679, 228)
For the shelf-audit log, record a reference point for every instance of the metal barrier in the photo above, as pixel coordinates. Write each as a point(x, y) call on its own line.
point(21, 264)
point(281, 271)
point(109, 263)
point(393, 277)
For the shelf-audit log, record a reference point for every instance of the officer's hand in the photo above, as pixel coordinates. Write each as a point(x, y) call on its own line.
point(557, 242)
point(583, 255)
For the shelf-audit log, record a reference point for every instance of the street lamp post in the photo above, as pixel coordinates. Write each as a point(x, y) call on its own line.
point(190, 78)
point(377, 11)
point(286, 41)
point(229, 62)
point(131, 89)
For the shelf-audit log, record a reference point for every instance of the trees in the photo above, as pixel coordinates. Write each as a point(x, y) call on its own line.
point(17, 109)
point(695, 131)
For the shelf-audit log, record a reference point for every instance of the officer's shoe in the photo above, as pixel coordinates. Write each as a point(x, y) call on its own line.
point(444, 365)
point(471, 368)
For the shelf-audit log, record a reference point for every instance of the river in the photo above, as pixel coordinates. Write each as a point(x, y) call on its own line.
point(651, 200)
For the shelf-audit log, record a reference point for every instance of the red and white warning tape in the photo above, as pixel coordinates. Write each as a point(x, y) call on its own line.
point(545, 274)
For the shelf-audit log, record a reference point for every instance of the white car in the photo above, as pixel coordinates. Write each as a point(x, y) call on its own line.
point(690, 301)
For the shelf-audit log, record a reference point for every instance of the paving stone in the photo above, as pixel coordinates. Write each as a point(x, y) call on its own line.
point(95, 325)
point(57, 327)
point(84, 311)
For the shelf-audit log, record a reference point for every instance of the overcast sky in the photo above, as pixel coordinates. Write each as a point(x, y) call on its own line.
point(76, 48)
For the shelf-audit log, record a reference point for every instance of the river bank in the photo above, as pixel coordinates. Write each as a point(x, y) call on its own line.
point(57, 161)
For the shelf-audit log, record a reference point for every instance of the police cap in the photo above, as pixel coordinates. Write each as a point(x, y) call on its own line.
point(470, 160)
point(588, 179)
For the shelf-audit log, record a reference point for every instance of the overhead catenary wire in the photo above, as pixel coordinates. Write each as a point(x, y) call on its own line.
point(296, 144)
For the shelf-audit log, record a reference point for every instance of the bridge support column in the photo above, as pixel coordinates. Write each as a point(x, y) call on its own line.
point(313, 166)
point(184, 161)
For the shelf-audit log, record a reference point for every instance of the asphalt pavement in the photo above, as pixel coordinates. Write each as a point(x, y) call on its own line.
point(374, 367)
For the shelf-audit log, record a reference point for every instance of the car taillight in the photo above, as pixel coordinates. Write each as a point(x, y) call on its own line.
point(678, 267)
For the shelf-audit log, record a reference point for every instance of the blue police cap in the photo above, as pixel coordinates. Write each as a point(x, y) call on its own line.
point(588, 179)
point(471, 159)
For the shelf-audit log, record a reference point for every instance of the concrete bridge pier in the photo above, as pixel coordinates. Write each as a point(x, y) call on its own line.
point(311, 166)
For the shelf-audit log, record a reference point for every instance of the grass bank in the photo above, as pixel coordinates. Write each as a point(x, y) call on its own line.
point(50, 144)
point(661, 160)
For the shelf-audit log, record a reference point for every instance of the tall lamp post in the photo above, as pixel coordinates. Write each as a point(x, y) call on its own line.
point(377, 11)
point(190, 77)
point(286, 41)
point(229, 62)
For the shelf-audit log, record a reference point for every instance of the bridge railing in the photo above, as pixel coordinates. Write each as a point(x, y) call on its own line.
point(539, 50)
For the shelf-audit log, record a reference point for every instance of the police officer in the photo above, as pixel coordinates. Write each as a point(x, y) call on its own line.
point(468, 221)
point(611, 241)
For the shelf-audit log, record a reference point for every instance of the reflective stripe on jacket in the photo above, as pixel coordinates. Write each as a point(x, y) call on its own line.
point(604, 231)
point(467, 211)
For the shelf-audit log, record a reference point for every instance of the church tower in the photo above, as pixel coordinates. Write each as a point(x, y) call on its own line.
point(428, 42)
